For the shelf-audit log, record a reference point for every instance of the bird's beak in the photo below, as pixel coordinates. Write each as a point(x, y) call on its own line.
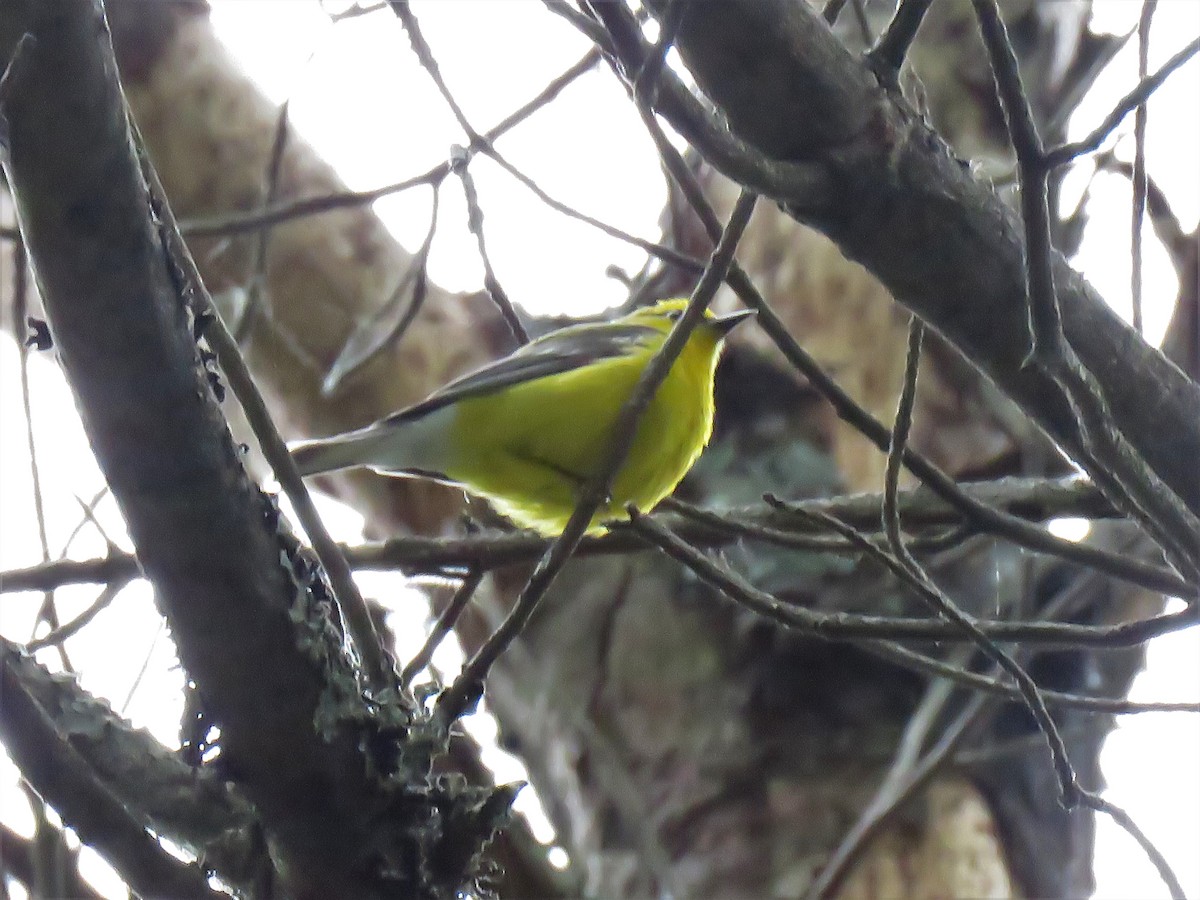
point(726, 324)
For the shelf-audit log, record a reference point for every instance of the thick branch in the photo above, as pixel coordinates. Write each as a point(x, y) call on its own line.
point(941, 241)
point(153, 785)
point(64, 779)
point(223, 569)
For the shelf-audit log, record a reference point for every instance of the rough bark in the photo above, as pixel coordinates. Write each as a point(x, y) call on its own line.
point(940, 240)
point(238, 593)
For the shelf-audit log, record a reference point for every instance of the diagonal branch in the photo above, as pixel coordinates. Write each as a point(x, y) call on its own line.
point(65, 780)
point(155, 787)
point(251, 622)
point(944, 244)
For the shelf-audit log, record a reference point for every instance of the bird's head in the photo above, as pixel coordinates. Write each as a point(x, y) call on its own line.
point(665, 313)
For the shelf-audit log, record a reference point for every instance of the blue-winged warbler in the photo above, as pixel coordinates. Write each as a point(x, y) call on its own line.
point(528, 431)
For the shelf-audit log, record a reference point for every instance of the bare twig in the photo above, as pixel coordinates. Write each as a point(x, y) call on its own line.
point(89, 517)
point(645, 84)
point(859, 7)
point(986, 517)
point(1139, 168)
point(241, 222)
point(389, 323)
point(428, 554)
point(490, 282)
point(460, 160)
point(1064, 153)
point(900, 432)
point(1045, 318)
point(833, 9)
point(804, 183)
point(1124, 474)
point(354, 11)
point(48, 611)
point(258, 278)
point(919, 662)
point(941, 602)
point(659, 251)
point(854, 626)
point(1122, 818)
point(582, 23)
point(905, 777)
point(735, 526)
point(60, 634)
point(429, 63)
point(1036, 499)
point(444, 625)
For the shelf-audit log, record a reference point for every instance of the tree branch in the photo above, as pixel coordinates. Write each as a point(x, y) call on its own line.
point(942, 242)
point(193, 808)
point(250, 619)
point(63, 778)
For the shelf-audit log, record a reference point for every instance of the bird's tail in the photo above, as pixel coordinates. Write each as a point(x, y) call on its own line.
point(331, 454)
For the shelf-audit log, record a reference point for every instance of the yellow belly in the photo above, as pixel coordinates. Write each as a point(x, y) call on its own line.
point(529, 449)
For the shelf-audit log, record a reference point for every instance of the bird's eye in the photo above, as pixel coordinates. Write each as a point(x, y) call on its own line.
point(675, 314)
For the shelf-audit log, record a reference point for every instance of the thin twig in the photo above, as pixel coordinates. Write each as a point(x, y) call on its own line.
point(941, 602)
point(89, 517)
point(385, 328)
point(48, 611)
point(659, 251)
point(258, 278)
point(226, 225)
point(857, 626)
point(465, 690)
point(585, 25)
point(864, 24)
point(444, 625)
point(1045, 319)
point(833, 9)
point(804, 183)
point(900, 786)
point(1114, 463)
point(68, 629)
point(1064, 153)
point(1122, 818)
point(645, 84)
point(919, 662)
point(1138, 213)
point(897, 786)
point(490, 282)
point(354, 11)
point(429, 63)
point(490, 552)
point(900, 431)
point(460, 158)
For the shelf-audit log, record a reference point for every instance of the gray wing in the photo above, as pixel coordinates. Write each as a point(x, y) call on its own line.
point(554, 353)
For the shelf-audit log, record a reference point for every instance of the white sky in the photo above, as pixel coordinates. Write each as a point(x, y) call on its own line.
point(357, 94)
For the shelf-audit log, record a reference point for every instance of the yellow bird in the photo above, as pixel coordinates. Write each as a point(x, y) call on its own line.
point(529, 431)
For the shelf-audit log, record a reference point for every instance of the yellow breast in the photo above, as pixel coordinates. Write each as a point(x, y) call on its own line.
point(530, 448)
